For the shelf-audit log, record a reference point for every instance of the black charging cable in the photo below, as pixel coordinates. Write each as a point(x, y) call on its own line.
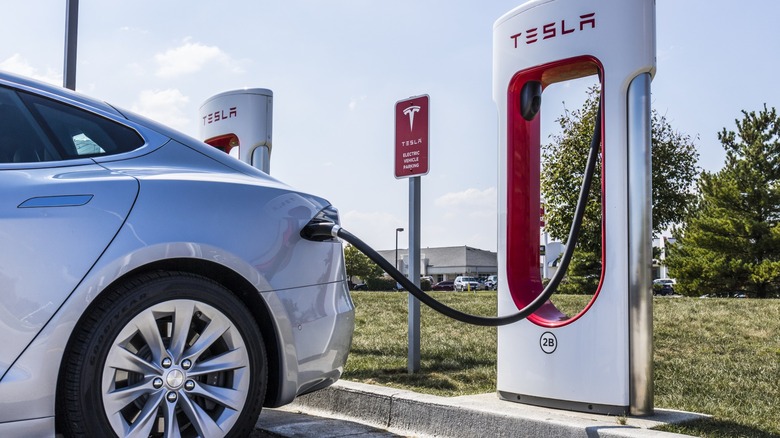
point(326, 230)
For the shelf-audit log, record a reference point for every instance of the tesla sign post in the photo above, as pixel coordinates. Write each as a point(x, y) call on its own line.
point(411, 161)
point(411, 137)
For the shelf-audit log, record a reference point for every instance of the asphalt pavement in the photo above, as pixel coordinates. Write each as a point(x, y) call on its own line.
point(288, 422)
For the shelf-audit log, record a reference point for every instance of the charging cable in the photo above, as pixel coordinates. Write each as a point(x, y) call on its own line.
point(323, 230)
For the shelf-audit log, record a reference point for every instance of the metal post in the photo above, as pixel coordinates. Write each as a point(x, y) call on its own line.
point(71, 43)
point(397, 230)
point(413, 361)
point(545, 267)
point(640, 239)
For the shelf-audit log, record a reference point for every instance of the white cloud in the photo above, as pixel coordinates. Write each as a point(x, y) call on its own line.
point(190, 58)
point(353, 103)
point(165, 106)
point(17, 64)
point(475, 212)
point(132, 29)
point(468, 199)
point(137, 68)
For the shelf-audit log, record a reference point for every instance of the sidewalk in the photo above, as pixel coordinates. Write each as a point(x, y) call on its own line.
point(350, 408)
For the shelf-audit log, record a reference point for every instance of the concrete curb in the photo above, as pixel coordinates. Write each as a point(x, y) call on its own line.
point(412, 414)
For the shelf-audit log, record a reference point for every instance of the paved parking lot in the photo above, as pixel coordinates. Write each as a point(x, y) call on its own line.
point(288, 423)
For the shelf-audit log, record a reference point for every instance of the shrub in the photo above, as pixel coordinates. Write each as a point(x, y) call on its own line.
point(381, 284)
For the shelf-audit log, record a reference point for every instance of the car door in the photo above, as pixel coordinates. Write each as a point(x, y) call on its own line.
point(59, 210)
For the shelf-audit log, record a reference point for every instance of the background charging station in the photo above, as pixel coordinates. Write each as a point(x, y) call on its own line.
point(239, 122)
point(599, 360)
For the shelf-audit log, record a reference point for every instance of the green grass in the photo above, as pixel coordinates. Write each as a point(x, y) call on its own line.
point(715, 356)
point(456, 358)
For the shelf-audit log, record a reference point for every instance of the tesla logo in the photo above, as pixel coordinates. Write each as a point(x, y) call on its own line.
point(216, 116)
point(554, 29)
point(410, 112)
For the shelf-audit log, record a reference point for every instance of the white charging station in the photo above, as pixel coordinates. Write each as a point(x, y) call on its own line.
point(239, 122)
point(599, 360)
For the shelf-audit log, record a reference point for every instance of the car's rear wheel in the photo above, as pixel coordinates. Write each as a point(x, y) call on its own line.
point(168, 355)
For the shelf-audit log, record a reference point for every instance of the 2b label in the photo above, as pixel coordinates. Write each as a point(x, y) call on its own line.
point(548, 342)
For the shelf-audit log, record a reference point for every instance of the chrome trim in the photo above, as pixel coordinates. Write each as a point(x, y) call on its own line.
point(640, 235)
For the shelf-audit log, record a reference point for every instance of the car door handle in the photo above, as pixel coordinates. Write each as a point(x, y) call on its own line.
point(56, 201)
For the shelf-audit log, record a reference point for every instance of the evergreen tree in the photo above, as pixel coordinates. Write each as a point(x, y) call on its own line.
point(674, 172)
point(732, 240)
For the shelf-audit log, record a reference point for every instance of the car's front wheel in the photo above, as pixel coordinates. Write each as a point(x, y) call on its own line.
point(166, 354)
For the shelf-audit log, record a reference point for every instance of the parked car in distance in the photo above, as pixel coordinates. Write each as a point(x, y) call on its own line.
point(492, 282)
point(463, 282)
point(663, 286)
point(152, 285)
point(444, 285)
point(671, 281)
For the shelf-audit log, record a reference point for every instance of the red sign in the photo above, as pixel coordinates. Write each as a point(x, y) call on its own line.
point(411, 136)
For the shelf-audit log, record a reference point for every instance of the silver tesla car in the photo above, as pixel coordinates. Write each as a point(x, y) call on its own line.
point(151, 284)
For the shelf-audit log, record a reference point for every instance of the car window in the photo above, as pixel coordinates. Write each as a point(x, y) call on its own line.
point(21, 138)
point(33, 129)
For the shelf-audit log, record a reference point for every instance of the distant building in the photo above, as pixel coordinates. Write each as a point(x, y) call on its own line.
point(551, 254)
point(448, 262)
point(659, 264)
point(551, 257)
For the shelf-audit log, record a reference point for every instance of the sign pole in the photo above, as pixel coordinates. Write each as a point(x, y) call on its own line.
point(413, 359)
point(411, 161)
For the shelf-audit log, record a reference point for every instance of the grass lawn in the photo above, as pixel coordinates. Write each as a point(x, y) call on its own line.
point(715, 356)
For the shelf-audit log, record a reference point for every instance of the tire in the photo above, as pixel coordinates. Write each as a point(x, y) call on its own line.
point(165, 354)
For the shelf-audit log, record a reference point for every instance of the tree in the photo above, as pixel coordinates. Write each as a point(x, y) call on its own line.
point(731, 242)
point(674, 172)
point(359, 265)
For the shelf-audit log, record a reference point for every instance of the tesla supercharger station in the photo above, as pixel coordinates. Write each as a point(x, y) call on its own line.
point(239, 123)
point(599, 360)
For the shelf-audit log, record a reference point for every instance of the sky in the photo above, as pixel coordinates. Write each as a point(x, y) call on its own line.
point(337, 67)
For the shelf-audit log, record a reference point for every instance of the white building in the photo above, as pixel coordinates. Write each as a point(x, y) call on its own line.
point(448, 262)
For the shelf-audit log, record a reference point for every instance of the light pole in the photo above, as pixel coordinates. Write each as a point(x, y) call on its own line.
point(71, 37)
point(397, 230)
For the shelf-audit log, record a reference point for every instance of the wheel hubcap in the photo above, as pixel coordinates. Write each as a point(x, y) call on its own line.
point(179, 368)
point(174, 379)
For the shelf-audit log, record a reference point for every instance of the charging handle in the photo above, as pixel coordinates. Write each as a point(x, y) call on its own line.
point(530, 99)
